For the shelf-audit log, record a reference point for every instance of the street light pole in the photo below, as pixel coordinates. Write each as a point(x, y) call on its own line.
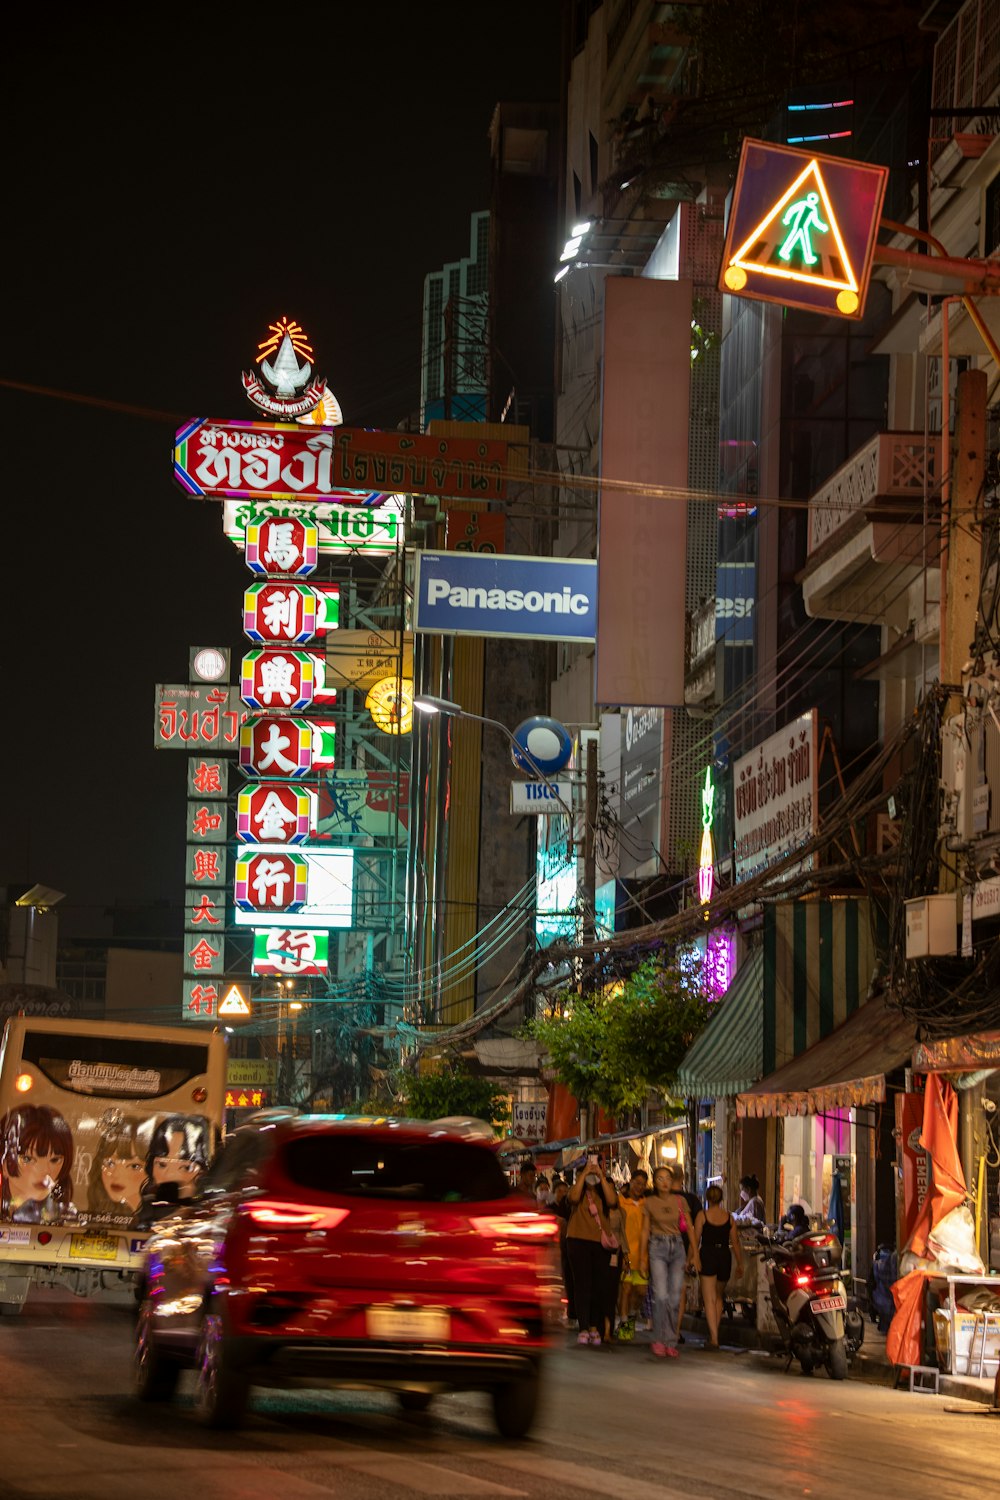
point(430, 705)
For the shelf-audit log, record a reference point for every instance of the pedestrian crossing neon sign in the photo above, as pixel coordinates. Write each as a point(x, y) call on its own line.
point(802, 229)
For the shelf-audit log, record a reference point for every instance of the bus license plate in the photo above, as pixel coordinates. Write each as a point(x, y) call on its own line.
point(829, 1304)
point(93, 1247)
point(417, 1323)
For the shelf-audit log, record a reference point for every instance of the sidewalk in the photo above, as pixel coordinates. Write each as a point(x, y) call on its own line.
point(870, 1363)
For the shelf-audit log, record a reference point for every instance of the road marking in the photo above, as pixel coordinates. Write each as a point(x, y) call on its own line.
point(591, 1480)
point(431, 1479)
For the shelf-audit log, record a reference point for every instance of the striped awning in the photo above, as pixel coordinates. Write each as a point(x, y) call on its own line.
point(728, 1056)
point(846, 1070)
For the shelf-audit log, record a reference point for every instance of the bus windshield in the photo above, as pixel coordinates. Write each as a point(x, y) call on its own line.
point(94, 1116)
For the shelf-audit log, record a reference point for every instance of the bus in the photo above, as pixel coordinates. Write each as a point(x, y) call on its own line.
point(96, 1118)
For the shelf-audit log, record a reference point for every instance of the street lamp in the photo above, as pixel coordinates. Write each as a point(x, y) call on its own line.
point(430, 705)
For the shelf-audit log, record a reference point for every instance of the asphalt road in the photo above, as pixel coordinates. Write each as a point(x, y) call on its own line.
point(617, 1424)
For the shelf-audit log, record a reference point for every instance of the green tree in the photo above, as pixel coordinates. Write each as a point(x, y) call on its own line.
point(612, 1047)
point(453, 1090)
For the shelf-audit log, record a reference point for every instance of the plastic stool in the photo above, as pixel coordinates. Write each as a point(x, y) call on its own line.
point(984, 1320)
point(923, 1380)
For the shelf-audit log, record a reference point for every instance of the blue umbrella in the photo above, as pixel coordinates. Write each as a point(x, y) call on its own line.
point(835, 1212)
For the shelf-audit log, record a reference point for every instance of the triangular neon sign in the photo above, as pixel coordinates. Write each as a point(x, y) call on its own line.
point(233, 1003)
point(799, 239)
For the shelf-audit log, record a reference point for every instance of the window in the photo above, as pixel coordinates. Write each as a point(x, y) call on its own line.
point(424, 1171)
point(991, 217)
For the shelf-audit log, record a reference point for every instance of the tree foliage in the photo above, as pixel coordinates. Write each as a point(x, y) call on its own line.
point(453, 1090)
point(611, 1048)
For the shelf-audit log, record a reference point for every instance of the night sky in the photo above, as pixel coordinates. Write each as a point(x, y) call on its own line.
point(171, 188)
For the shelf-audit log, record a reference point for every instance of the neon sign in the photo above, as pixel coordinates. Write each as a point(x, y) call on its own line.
point(706, 855)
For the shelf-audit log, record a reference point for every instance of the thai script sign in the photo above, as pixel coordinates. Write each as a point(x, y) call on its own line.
point(775, 796)
point(528, 1119)
point(197, 716)
point(244, 460)
point(474, 530)
point(375, 528)
point(524, 598)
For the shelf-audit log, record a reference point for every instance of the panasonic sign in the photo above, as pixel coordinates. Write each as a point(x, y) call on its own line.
point(490, 594)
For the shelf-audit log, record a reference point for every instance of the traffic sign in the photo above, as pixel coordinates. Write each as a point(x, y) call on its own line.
point(234, 1003)
point(802, 229)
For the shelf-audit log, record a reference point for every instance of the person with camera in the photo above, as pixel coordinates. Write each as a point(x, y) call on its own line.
point(590, 1243)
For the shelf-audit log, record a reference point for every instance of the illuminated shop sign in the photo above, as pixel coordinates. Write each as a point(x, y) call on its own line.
point(375, 528)
point(298, 952)
point(275, 813)
point(775, 797)
point(267, 461)
point(706, 855)
point(328, 877)
point(524, 598)
point(279, 747)
point(280, 385)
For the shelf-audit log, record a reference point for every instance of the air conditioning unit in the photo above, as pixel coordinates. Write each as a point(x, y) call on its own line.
point(932, 926)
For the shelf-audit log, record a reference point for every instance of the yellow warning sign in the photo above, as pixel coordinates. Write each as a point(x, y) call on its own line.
point(802, 229)
point(234, 1002)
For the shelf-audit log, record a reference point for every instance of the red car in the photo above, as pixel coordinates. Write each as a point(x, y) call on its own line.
point(323, 1249)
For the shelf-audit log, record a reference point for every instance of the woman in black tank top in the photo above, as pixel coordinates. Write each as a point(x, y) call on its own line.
point(718, 1243)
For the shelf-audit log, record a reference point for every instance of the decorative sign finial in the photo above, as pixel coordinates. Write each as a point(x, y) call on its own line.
point(292, 393)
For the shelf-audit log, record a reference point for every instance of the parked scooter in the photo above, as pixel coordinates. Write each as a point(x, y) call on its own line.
point(818, 1323)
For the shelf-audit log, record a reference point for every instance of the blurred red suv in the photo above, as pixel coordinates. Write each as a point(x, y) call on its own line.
point(323, 1249)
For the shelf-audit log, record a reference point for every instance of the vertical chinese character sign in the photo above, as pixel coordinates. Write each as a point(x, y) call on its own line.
point(205, 891)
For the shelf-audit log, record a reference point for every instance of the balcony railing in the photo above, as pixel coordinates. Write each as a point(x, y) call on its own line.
point(894, 466)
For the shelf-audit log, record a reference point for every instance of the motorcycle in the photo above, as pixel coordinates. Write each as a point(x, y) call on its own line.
point(818, 1323)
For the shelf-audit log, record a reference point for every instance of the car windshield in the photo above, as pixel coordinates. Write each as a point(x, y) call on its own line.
point(431, 1171)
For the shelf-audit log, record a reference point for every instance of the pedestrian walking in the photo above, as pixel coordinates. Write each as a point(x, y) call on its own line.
point(718, 1241)
point(588, 1246)
point(632, 1289)
point(694, 1208)
point(664, 1255)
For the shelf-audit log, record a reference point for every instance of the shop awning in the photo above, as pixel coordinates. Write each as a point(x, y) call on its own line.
point(845, 1070)
point(728, 1056)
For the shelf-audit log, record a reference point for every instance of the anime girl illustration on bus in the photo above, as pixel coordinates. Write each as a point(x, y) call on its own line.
point(36, 1166)
point(118, 1170)
point(179, 1151)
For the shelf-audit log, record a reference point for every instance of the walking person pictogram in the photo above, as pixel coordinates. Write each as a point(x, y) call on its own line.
point(804, 219)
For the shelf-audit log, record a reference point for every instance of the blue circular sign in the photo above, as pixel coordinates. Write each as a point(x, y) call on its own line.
point(546, 741)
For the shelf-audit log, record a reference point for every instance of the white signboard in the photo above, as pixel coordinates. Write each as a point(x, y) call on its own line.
point(329, 891)
point(528, 1120)
point(377, 530)
point(540, 796)
point(775, 797)
point(985, 899)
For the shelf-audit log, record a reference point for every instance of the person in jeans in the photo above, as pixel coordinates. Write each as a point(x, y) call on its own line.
point(664, 1255)
point(588, 1242)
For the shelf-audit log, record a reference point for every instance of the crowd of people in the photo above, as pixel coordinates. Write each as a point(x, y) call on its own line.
point(625, 1254)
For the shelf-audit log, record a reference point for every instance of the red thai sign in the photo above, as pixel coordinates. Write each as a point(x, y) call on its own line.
point(244, 460)
point(475, 531)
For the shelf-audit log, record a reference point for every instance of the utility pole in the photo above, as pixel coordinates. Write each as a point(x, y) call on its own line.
point(961, 553)
point(961, 565)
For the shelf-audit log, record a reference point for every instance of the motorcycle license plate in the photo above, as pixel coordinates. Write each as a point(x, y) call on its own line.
point(420, 1324)
point(830, 1304)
